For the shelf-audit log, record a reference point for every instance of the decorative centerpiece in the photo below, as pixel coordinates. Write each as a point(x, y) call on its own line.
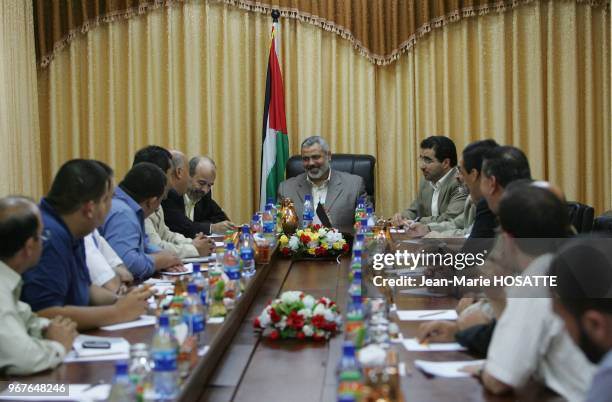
point(287, 218)
point(300, 316)
point(314, 241)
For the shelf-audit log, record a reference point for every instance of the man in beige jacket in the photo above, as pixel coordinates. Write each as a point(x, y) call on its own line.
point(440, 197)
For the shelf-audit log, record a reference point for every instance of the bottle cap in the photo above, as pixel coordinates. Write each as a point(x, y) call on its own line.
point(360, 237)
point(229, 246)
point(196, 267)
point(369, 210)
point(163, 320)
point(357, 252)
point(308, 197)
point(245, 229)
point(348, 349)
point(121, 367)
point(357, 274)
point(192, 289)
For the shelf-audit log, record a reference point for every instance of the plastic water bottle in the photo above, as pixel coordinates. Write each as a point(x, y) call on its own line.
point(164, 351)
point(269, 224)
point(371, 217)
point(273, 209)
point(231, 267)
point(358, 244)
point(355, 325)
point(256, 224)
point(122, 389)
point(356, 263)
point(360, 209)
point(350, 380)
point(198, 279)
point(363, 226)
point(247, 253)
point(355, 286)
point(308, 215)
point(195, 314)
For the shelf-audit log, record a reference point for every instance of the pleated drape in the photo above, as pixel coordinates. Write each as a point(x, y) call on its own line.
point(192, 77)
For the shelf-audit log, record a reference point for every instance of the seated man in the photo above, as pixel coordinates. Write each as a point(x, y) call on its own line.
point(192, 211)
point(159, 235)
point(583, 299)
point(528, 340)
point(440, 197)
point(470, 167)
point(136, 198)
point(336, 191)
point(28, 343)
point(78, 201)
point(106, 269)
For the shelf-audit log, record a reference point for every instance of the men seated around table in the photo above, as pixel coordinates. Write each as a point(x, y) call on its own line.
point(28, 343)
point(469, 175)
point(106, 269)
point(336, 191)
point(77, 203)
point(159, 235)
point(440, 197)
point(192, 211)
point(135, 199)
point(529, 341)
point(583, 299)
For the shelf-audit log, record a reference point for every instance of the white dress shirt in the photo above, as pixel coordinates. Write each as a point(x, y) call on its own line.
point(436, 194)
point(101, 258)
point(319, 194)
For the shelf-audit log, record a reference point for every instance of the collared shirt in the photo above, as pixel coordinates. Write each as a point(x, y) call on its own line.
point(601, 387)
point(101, 258)
point(124, 231)
point(436, 187)
point(61, 276)
point(22, 347)
point(531, 341)
point(319, 192)
point(160, 235)
point(189, 206)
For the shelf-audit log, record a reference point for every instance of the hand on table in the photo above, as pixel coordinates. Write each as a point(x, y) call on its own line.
point(437, 331)
point(62, 330)
point(222, 227)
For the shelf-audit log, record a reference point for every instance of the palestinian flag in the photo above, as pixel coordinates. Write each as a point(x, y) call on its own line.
point(275, 143)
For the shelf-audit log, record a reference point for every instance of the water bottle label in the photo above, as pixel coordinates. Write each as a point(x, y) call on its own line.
point(233, 274)
point(268, 227)
point(165, 360)
point(246, 253)
point(197, 323)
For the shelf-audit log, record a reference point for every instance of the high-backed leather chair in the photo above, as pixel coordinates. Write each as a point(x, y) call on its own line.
point(603, 223)
point(360, 165)
point(581, 216)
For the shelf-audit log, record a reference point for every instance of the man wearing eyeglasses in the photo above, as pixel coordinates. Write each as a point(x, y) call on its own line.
point(440, 197)
point(194, 211)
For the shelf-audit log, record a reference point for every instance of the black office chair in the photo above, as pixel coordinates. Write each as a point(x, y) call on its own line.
point(581, 216)
point(360, 165)
point(603, 223)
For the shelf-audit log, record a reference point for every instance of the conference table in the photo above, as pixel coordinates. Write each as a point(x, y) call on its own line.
point(242, 366)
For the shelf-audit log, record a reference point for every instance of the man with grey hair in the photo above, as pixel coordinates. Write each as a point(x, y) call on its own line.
point(190, 210)
point(336, 191)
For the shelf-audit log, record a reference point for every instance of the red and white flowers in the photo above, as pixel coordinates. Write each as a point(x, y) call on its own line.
point(298, 315)
point(314, 241)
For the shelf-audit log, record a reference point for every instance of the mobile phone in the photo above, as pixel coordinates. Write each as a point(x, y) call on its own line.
point(96, 344)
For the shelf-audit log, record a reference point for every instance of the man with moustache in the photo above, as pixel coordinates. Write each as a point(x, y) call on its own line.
point(583, 299)
point(336, 191)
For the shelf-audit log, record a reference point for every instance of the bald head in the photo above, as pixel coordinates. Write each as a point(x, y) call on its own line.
point(19, 222)
point(203, 173)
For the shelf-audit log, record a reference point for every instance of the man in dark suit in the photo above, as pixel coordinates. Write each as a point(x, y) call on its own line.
point(336, 191)
point(190, 209)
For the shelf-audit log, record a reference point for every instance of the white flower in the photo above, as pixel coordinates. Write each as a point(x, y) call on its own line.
point(329, 315)
point(264, 318)
point(322, 232)
point(319, 309)
point(308, 301)
point(282, 323)
point(291, 297)
point(307, 330)
point(294, 243)
point(306, 313)
point(313, 244)
point(333, 237)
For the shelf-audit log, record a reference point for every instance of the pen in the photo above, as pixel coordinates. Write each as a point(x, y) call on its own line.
point(431, 314)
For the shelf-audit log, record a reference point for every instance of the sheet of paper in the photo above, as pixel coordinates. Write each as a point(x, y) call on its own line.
point(156, 281)
point(215, 320)
point(200, 260)
point(72, 357)
point(189, 270)
point(77, 392)
point(143, 321)
point(426, 315)
point(413, 345)
point(219, 244)
point(117, 346)
point(446, 369)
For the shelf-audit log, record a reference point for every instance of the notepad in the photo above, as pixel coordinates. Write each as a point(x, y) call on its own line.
point(189, 270)
point(426, 315)
point(76, 392)
point(446, 369)
point(413, 345)
point(143, 321)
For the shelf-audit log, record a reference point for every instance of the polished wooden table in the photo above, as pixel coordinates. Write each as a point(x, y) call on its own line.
point(240, 366)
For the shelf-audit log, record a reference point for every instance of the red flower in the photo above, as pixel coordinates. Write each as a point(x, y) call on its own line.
point(305, 239)
point(300, 335)
point(274, 335)
point(274, 316)
point(294, 320)
point(256, 323)
point(318, 321)
point(330, 326)
point(316, 337)
point(316, 227)
point(323, 301)
point(345, 247)
point(320, 251)
point(285, 251)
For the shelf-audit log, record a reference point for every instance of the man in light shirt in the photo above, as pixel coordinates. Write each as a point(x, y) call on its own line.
point(28, 343)
point(440, 197)
point(336, 191)
point(106, 268)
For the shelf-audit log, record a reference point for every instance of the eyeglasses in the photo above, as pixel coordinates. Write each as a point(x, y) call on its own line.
point(426, 160)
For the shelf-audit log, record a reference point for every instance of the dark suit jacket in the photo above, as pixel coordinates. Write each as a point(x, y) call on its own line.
point(483, 232)
point(205, 213)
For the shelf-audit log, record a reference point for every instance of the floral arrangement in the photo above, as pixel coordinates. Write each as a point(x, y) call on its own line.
point(313, 241)
point(298, 315)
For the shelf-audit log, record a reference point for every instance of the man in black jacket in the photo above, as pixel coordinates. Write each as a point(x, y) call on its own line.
point(192, 210)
